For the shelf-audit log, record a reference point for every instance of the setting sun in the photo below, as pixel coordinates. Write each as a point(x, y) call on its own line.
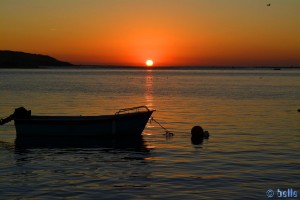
point(149, 63)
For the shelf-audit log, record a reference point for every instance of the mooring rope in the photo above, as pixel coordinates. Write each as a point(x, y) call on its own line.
point(168, 133)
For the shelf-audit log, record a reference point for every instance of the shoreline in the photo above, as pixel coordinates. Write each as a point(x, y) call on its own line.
point(153, 68)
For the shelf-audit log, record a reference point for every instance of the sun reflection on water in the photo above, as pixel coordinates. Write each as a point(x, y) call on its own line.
point(149, 89)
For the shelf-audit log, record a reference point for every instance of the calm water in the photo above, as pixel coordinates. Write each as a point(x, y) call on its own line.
point(251, 115)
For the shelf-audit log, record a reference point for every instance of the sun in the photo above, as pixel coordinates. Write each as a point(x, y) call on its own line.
point(149, 63)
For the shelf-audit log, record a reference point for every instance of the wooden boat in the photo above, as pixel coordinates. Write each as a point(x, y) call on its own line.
point(125, 122)
point(135, 143)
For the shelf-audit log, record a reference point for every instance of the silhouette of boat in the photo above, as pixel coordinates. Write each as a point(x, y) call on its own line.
point(125, 122)
point(135, 143)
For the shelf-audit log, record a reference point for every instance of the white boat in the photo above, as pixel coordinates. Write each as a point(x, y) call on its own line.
point(125, 122)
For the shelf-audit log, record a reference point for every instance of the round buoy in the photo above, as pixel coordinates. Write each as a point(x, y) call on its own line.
point(197, 131)
point(197, 135)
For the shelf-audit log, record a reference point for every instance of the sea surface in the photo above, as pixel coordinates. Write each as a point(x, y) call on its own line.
point(252, 117)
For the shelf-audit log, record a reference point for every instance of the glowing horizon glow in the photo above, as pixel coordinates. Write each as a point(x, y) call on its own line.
point(149, 63)
point(178, 33)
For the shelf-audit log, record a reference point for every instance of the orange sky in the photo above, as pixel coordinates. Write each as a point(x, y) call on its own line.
point(171, 32)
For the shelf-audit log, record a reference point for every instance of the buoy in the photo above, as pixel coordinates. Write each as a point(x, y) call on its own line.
point(197, 131)
point(206, 135)
point(298, 110)
point(198, 134)
point(196, 141)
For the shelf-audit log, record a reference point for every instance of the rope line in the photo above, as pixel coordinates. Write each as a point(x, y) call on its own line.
point(168, 133)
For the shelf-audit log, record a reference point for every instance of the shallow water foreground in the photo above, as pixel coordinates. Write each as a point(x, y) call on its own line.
point(251, 115)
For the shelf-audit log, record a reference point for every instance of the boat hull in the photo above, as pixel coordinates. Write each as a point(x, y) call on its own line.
point(129, 124)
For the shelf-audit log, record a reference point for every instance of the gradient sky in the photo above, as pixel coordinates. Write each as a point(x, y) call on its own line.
point(171, 32)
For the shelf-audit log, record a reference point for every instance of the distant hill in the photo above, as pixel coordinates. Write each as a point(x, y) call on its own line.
point(14, 59)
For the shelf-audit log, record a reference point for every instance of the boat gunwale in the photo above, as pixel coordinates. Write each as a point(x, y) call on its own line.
point(76, 120)
point(81, 117)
